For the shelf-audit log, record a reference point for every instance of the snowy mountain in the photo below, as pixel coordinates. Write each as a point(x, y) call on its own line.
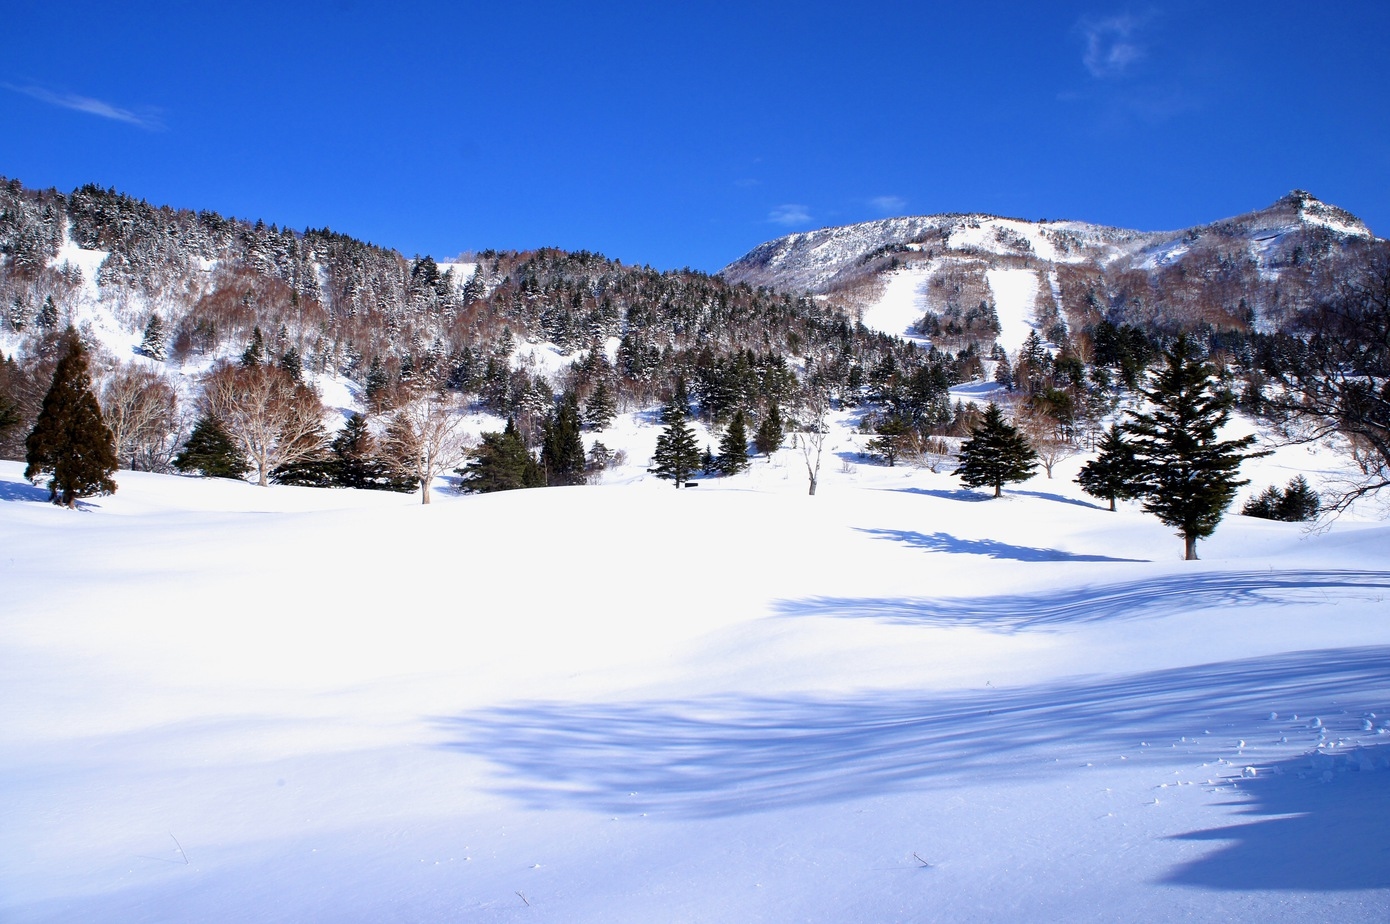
point(1254, 268)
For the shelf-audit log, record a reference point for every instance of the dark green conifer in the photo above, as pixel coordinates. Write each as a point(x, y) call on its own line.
point(210, 452)
point(1114, 474)
point(600, 409)
point(1190, 473)
point(995, 454)
point(677, 455)
point(152, 344)
point(562, 448)
point(500, 463)
point(770, 434)
point(733, 446)
point(70, 440)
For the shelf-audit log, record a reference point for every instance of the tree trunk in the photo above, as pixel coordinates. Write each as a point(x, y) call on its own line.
point(1190, 548)
point(1112, 505)
point(812, 492)
point(424, 491)
point(998, 489)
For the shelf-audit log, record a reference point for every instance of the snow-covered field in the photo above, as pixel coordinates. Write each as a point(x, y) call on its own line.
point(893, 701)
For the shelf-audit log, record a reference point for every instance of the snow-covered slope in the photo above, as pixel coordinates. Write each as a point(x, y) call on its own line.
point(892, 701)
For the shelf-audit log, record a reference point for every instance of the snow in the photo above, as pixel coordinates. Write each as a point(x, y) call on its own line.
point(895, 700)
point(1015, 297)
point(902, 303)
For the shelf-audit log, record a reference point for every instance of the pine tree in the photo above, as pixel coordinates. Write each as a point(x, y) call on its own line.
point(995, 454)
point(770, 433)
point(70, 440)
point(1190, 474)
point(562, 449)
point(1299, 503)
point(600, 409)
point(894, 434)
point(254, 353)
point(210, 452)
point(500, 462)
point(677, 455)
point(1114, 474)
point(733, 447)
point(48, 314)
point(152, 344)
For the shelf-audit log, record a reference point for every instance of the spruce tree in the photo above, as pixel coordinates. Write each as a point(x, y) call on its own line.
point(1190, 474)
point(995, 454)
point(677, 454)
point(600, 409)
point(768, 439)
point(501, 462)
point(733, 447)
point(210, 452)
point(1114, 474)
point(254, 354)
point(562, 449)
point(152, 344)
point(70, 441)
point(48, 314)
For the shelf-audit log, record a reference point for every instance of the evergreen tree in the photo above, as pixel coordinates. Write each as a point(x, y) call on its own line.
point(601, 408)
point(677, 455)
point(356, 461)
point(293, 364)
point(48, 314)
point(211, 452)
point(378, 380)
point(254, 354)
point(733, 447)
point(562, 449)
point(1190, 474)
point(1299, 503)
point(768, 439)
point(995, 454)
point(501, 462)
point(894, 434)
point(152, 344)
point(70, 440)
point(1114, 474)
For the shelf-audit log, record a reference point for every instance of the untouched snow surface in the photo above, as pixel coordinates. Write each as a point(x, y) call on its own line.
point(893, 701)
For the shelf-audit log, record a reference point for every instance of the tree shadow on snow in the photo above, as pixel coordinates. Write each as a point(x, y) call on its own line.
point(1322, 819)
point(21, 492)
point(726, 756)
point(945, 542)
point(959, 494)
point(1121, 601)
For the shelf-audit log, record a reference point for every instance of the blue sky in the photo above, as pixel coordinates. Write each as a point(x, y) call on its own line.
point(685, 134)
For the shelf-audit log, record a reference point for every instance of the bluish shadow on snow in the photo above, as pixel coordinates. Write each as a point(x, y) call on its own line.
point(1128, 600)
point(945, 542)
point(1061, 499)
point(960, 494)
point(22, 491)
point(1322, 825)
point(733, 756)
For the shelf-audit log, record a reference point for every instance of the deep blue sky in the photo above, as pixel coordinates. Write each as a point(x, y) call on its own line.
point(684, 134)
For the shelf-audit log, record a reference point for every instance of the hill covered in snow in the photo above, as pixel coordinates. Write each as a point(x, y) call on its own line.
point(895, 700)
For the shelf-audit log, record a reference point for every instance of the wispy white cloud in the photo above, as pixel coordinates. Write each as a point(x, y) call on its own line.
point(1112, 45)
point(888, 205)
point(789, 215)
point(147, 118)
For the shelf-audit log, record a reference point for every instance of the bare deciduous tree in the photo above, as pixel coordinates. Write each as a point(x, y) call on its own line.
point(424, 439)
point(811, 417)
point(273, 420)
point(142, 411)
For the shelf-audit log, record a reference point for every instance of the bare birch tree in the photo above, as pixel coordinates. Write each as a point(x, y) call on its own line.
point(141, 409)
point(274, 420)
point(811, 418)
point(425, 439)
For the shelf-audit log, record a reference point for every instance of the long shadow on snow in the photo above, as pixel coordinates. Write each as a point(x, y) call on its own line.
point(729, 756)
point(1322, 826)
point(1130, 600)
point(12, 491)
point(945, 542)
